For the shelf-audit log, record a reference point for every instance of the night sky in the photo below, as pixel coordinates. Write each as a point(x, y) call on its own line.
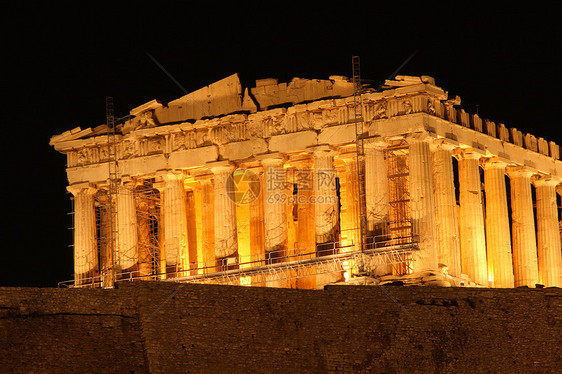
point(59, 63)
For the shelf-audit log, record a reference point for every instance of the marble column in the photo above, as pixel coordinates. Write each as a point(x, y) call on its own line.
point(143, 238)
point(498, 242)
point(422, 204)
point(447, 226)
point(471, 217)
point(305, 245)
point(126, 257)
point(325, 197)
point(548, 233)
point(85, 244)
point(376, 193)
point(226, 238)
point(174, 213)
point(326, 212)
point(525, 265)
point(208, 224)
point(192, 244)
point(350, 203)
point(350, 227)
point(275, 216)
point(257, 230)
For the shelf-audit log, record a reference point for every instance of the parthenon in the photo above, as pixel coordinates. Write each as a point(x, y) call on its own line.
point(259, 186)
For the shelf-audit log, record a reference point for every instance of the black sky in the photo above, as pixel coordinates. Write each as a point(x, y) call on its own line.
point(59, 62)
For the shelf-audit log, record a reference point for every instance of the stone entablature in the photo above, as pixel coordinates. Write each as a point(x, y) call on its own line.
point(330, 121)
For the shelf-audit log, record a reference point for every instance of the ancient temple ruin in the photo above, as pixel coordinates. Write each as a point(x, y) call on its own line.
point(262, 186)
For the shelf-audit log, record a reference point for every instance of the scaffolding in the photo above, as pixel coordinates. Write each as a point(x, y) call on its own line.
point(301, 263)
point(360, 150)
point(394, 246)
point(400, 221)
point(147, 201)
point(113, 189)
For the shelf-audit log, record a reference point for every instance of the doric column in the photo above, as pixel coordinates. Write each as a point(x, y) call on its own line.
point(350, 228)
point(525, 266)
point(226, 239)
point(85, 244)
point(191, 222)
point(147, 203)
point(174, 213)
point(275, 215)
point(422, 204)
point(325, 197)
point(548, 234)
point(447, 226)
point(473, 237)
point(127, 242)
point(376, 192)
point(208, 224)
point(257, 230)
point(326, 212)
point(305, 244)
point(498, 242)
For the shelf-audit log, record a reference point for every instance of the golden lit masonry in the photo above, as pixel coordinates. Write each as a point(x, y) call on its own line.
point(262, 186)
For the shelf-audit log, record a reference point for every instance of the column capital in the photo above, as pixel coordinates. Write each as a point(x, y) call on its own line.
point(492, 163)
point(85, 188)
point(442, 144)
point(219, 167)
point(418, 137)
point(546, 180)
point(321, 151)
point(173, 176)
point(519, 171)
point(271, 156)
point(375, 144)
point(273, 162)
point(467, 154)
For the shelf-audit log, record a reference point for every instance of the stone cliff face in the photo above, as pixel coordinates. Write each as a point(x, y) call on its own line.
point(168, 328)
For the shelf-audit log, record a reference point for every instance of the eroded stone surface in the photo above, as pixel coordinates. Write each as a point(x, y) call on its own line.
point(305, 131)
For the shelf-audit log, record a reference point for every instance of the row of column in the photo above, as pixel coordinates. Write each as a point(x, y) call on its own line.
point(489, 255)
point(476, 244)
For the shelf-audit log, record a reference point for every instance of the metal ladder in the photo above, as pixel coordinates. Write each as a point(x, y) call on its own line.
point(113, 189)
point(360, 150)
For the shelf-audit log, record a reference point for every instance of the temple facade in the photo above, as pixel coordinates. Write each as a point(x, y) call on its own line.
point(260, 186)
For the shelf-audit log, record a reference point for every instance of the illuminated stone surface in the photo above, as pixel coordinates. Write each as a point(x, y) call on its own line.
point(498, 241)
point(447, 226)
point(304, 132)
point(226, 244)
point(525, 265)
point(473, 241)
point(174, 213)
point(127, 227)
point(548, 236)
point(85, 251)
point(422, 203)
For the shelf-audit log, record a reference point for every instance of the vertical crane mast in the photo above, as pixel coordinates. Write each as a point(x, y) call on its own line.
point(112, 249)
point(360, 149)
